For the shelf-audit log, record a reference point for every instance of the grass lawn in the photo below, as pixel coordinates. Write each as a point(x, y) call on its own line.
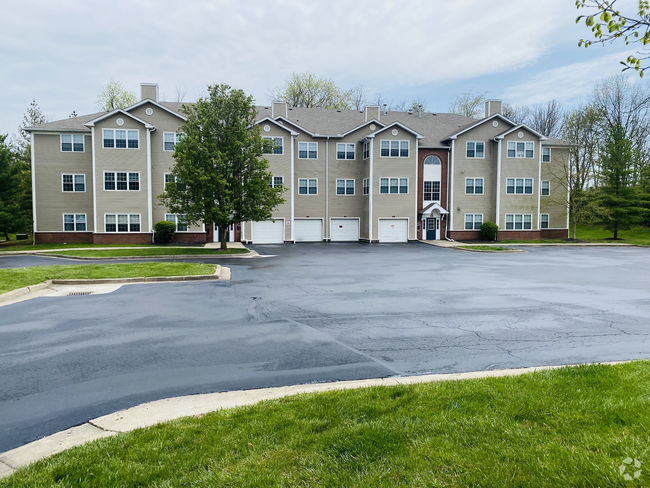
point(592, 233)
point(10, 279)
point(479, 247)
point(157, 251)
point(562, 428)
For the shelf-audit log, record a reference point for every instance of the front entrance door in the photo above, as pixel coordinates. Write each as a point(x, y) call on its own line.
point(217, 234)
point(432, 229)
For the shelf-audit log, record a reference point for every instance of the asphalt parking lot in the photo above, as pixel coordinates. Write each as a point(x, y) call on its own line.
point(315, 312)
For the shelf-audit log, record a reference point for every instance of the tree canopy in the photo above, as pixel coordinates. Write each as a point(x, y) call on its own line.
point(469, 104)
point(15, 190)
point(220, 175)
point(608, 24)
point(309, 90)
point(114, 96)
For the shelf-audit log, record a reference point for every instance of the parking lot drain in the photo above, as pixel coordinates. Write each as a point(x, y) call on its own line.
point(78, 293)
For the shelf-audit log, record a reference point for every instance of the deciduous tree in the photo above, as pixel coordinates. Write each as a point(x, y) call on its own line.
point(114, 96)
point(15, 190)
point(220, 175)
point(309, 90)
point(469, 104)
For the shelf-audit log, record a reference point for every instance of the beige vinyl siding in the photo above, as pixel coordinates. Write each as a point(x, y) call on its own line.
point(519, 168)
point(312, 206)
point(346, 169)
point(486, 168)
point(50, 164)
point(384, 206)
point(280, 165)
point(128, 160)
point(555, 204)
point(161, 161)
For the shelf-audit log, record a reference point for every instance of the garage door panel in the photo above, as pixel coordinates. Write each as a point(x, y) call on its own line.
point(393, 230)
point(344, 230)
point(308, 230)
point(268, 232)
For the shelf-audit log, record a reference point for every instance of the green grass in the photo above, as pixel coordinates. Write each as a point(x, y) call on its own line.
point(11, 279)
point(591, 233)
point(564, 428)
point(27, 246)
point(157, 251)
point(479, 247)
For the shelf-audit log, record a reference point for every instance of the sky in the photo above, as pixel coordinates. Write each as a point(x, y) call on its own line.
point(524, 52)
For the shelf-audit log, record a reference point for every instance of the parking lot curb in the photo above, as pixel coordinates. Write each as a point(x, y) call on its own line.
point(221, 273)
point(248, 255)
point(152, 413)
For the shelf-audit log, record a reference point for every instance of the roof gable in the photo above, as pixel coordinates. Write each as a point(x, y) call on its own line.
point(277, 124)
point(115, 112)
point(396, 124)
point(148, 100)
point(474, 125)
point(518, 127)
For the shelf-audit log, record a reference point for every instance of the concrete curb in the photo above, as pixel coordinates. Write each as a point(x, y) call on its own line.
point(459, 248)
point(10, 297)
point(455, 244)
point(152, 413)
point(248, 255)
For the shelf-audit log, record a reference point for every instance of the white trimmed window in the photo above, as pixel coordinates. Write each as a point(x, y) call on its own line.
point(394, 149)
point(122, 222)
point(72, 143)
point(475, 149)
point(546, 155)
point(73, 183)
point(366, 150)
point(431, 191)
point(121, 181)
point(393, 185)
point(521, 149)
point(432, 160)
point(543, 221)
point(74, 222)
point(121, 138)
point(519, 221)
point(307, 186)
point(179, 220)
point(519, 186)
point(307, 150)
point(277, 181)
point(345, 187)
point(278, 145)
point(344, 151)
point(170, 139)
point(546, 188)
point(366, 186)
point(474, 186)
point(473, 221)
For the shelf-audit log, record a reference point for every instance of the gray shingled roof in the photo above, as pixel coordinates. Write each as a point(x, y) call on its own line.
point(72, 124)
point(434, 127)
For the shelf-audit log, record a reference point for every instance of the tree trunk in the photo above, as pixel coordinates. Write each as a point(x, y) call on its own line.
point(574, 228)
point(223, 229)
point(6, 236)
point(616, 230)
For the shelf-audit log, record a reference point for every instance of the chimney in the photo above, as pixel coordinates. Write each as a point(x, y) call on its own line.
point(492, 107)
point(419, 110)
point(149, 91)
point(371, 112)
point(279, 109)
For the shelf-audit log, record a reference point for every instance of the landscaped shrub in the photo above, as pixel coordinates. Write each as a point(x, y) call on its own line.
point(489, 231)
point(164, 231)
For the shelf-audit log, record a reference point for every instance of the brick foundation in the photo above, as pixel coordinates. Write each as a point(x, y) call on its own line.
point(191, 237)
point(129, 238)
point(62, 237)
point(555, 234)
point(519, 234)
point(464, 235)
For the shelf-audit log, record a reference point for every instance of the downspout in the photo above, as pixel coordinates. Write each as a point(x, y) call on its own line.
point(149, 189)
point(539, 187)
point(293, 209)
point(33, 160)
point(94, 149)
point(370, 190)
point(417, 188)
point(327, 189)
point(450, 188)
point(498, 202)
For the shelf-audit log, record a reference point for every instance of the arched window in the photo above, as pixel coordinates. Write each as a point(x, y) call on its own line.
point(432, 160)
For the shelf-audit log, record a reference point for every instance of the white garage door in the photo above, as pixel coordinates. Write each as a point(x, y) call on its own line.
point(268, 232)
point(393, 230)
point(344, 230)
point(307, 230)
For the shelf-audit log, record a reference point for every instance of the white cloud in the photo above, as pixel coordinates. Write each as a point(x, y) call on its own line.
point(567, 83)
point(63, 52)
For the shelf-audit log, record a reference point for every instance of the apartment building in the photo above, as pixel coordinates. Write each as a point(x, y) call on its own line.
point(370, 175)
